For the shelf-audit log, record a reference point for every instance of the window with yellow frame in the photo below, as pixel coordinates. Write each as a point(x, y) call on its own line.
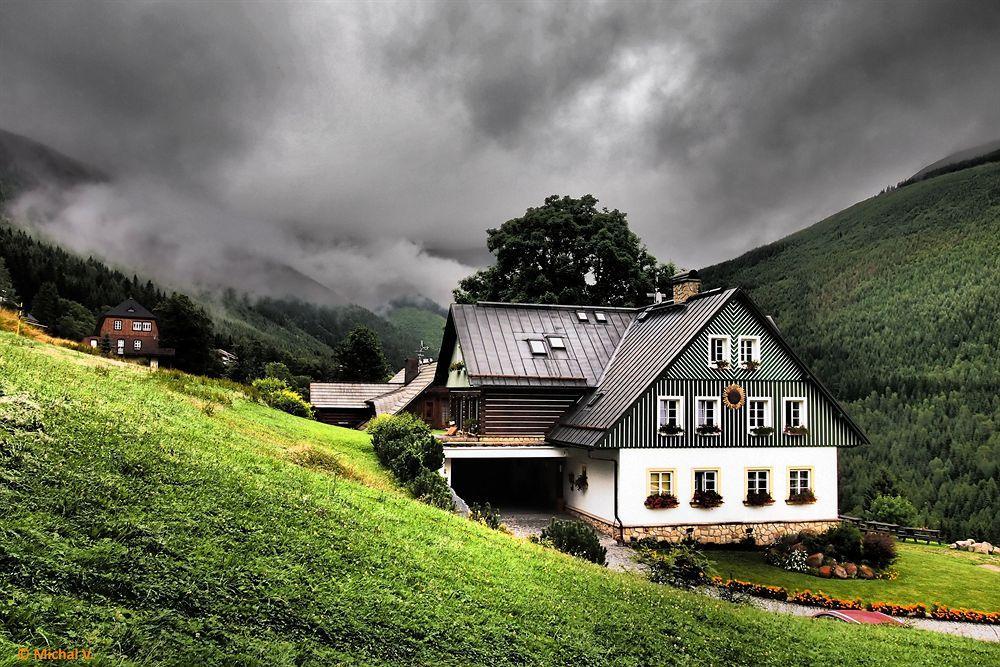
point(660, 482)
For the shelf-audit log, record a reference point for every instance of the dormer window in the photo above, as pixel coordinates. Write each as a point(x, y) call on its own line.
point(537, 347)
point(581, 316)
point(718, 351)
point(749, 351)
point(557, 343)
point(600, 317)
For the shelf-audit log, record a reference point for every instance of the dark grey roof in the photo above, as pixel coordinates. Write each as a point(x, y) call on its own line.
point(130, 308)
point(494, 336)
point(650, 343)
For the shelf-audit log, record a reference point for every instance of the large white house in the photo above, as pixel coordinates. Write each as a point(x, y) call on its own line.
point(688, 418)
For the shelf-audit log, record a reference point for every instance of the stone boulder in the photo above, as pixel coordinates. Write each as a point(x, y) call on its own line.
point(815, 560)
point(826, 571)
point(865, 572)
point(851, 569)
point(982, 548)
point(840, 573)
point(961, 544)
point(798, 546)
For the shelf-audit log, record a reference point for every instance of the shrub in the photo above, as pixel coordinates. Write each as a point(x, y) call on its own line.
point(843, 542)
point(430, 487)
point(680, 565)
point(892, 509)
point(404, 444)
point(278, 395)
point(795, 561)
point(879, 549)
point(486, 515)
point(575, 538)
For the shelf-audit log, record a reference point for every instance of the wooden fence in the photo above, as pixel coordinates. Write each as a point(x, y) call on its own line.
point(902, 532)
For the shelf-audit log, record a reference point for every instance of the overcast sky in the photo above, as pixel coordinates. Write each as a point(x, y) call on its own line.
point(369, 146)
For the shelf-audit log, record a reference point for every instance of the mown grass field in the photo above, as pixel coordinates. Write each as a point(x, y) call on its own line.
point(162, 519)
point(927, 575)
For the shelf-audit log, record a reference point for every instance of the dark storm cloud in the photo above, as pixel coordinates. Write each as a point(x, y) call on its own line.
point(368, 146)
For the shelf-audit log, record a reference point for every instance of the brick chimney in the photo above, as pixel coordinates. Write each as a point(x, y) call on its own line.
point(685, 285)
point(410, 369)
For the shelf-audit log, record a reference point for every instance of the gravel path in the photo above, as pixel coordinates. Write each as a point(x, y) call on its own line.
point(525, 523)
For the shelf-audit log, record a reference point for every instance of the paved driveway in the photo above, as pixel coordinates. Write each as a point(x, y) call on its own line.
point(527, 522)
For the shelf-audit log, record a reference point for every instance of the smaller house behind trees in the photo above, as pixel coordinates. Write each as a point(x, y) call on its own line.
point(130, 330)
point(352, 404)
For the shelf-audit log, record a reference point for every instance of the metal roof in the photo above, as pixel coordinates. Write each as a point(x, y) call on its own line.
point(346, 394)
point(130, 308)
point(399, 399)
point(494, 339)
point(648, 346)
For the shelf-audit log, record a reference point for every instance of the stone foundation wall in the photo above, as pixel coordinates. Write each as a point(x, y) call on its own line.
point(708, 533)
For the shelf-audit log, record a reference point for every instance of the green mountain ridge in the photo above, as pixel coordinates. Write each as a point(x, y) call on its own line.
point(894, 303)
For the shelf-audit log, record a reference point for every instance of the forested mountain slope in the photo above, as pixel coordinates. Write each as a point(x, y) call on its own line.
point(299, 334)
point(160, 518)
point(895, 303)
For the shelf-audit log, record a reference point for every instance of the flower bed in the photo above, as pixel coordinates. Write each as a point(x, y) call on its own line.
point(824, 601)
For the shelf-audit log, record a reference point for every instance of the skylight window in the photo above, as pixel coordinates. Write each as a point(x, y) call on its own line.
point(581, 315)
point(557, 343)
point(600, 317)
point(537, 347)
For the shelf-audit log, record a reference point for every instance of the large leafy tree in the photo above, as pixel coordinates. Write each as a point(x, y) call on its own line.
point(566, 251)
point(187, 328)
point(361, 358)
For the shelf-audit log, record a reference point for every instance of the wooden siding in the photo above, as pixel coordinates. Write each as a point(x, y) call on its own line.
point(734, 320)
point(523, 414)
point(778, 377)
point(639, 426)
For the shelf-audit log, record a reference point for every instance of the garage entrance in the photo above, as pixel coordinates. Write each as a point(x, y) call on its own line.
point(534, 483)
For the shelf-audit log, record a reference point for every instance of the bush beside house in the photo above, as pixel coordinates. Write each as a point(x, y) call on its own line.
point(404, 444)
point(277, 394)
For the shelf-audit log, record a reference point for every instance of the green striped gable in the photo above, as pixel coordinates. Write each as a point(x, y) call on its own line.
point(689, 375)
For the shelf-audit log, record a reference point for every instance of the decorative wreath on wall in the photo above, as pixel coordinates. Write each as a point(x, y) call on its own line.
point(734, 397)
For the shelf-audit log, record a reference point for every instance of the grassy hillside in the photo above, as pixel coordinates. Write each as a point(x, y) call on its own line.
point(160, 518)
point(894, 303)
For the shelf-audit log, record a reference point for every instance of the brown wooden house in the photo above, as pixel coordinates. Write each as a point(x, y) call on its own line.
point(352, 404)
point(130, 330)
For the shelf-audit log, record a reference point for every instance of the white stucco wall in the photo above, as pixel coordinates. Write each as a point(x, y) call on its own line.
point(599, 498)
point(732, 464)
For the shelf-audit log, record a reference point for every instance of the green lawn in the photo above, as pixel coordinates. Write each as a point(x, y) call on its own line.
point(927, 574)
point(163, 519)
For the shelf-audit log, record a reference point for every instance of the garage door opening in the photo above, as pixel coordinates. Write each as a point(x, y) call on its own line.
point(509, 483)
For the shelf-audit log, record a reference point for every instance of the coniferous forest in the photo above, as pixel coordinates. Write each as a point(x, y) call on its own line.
point(895, 303)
